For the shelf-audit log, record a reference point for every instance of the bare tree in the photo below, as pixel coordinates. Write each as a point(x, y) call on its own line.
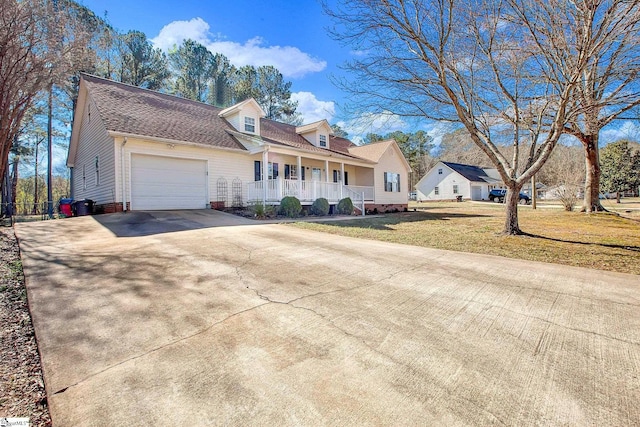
point(23, 70)
point(609, 85)
point(38, 46)
point(476, 62)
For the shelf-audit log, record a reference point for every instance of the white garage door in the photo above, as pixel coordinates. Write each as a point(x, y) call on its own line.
point(159, 183)
point(476, 192)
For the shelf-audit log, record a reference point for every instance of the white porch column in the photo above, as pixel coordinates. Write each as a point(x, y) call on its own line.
point(341, 179)
point(299, 177)
point(326, 168)
point(265, 175)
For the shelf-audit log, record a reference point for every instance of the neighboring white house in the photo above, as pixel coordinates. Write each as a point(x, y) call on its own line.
point(449, 181)
point(138, 149)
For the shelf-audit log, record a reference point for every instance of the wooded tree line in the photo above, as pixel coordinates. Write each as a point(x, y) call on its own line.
point(45, 45)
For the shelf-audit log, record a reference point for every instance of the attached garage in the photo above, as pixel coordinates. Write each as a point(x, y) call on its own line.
point(162, 183)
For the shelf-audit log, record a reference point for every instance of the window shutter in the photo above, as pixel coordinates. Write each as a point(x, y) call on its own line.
point(256, 170)
point(302, 173)
point(398, 175)
point(335, 175)
point(275, 170)
point(346, 178)
point(386, 182)
point(287, 174)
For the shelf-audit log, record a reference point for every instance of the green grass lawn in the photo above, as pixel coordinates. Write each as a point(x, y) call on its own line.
point(603, 241)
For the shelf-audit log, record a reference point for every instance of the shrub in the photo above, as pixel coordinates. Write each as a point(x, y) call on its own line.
point(320, 207)
point(345, 206)
point(290, 207)
point(262, 211)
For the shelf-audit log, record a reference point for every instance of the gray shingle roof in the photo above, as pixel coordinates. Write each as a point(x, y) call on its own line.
point(472, 173)
point(132, 110)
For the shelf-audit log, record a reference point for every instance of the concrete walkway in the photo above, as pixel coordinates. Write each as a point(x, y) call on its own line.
point(188, 319)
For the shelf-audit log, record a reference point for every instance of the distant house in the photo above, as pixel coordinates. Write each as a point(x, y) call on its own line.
point(137, 149)
point(448, 181)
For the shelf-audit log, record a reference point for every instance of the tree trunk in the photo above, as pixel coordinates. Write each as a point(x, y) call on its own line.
point(512, 198)
point(34, 211)
point(617, 197)
point(14, 179)
point(592, 179)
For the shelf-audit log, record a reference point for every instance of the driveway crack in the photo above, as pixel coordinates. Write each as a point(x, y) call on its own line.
point(161, 347)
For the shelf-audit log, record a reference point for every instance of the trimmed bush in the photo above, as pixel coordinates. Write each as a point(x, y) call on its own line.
point(345, 206)
point(320, 207)
point(290, 206)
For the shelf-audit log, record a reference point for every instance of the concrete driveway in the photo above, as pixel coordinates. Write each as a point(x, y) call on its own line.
point(188, 319)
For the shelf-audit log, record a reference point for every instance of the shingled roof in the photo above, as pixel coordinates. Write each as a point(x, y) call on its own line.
point(472, 173)
point(132, 110)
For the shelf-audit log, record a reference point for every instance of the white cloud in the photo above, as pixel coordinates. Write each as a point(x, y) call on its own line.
point(437, 130)
point(380, 123)
point(625, 130)
point(289, 60)
point(311, 108)
point(177, 31)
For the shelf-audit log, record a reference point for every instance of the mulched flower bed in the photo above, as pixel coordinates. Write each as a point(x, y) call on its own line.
point(22, 393)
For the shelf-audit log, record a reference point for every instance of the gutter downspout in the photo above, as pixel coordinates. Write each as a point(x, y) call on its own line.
point(124, 186)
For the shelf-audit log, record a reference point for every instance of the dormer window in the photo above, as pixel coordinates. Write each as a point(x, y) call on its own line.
point(323, 140)
point(250, 124)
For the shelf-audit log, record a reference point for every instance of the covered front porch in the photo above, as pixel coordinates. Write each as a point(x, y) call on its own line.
point(306, 191)
point(309, 178)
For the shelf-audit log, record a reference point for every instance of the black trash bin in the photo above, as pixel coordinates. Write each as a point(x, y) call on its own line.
point(83, 207)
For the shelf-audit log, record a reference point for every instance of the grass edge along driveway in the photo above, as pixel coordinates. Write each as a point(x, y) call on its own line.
point(603, 241)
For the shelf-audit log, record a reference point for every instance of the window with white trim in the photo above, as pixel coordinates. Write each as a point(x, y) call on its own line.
point(436, 191)
point(440, 171)
point(455, 189)
point(290, 171)
point(391, 182)
point(250, 124)
point(323, 140)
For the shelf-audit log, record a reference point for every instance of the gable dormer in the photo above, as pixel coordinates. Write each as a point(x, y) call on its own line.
point(244, 116)
point(317, 133)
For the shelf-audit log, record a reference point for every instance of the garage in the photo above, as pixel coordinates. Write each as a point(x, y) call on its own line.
point(160, 183)
point(476, 192)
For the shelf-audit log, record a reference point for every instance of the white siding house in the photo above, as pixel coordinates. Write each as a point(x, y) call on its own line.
point(449, 181)
point(136, 149)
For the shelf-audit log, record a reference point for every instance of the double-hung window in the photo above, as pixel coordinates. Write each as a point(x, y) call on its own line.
point(250, 124)
point(323, 140)
point(392, 182)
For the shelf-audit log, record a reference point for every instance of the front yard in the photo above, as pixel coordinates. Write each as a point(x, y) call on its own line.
point(603, 241)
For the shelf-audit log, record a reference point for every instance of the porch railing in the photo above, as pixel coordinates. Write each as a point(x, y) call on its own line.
point(369, 192)
point(307, 191)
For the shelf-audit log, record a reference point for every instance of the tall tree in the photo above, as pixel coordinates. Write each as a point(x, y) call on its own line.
point(481, 63)
point(141, 64)
point(620, 167)
point(221, 83)
point(338, 131)
point(609, 86)
point(39, 43)
point(267, 86)
point(192, 65)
